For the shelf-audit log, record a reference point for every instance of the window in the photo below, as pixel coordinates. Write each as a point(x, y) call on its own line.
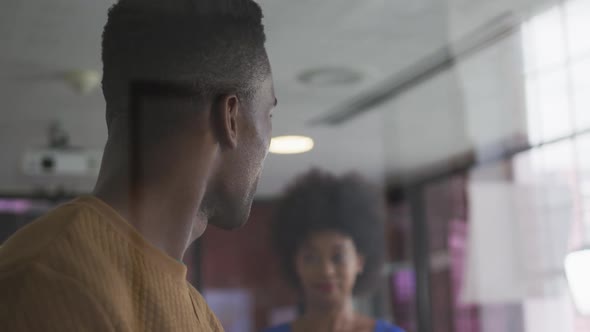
point(557, 71)
point(556, 51)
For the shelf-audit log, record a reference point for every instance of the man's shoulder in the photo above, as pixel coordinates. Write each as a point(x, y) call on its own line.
point(39, 239)
point(52, 298)
point(198, 299)
point(204, 309)
point(58, 256)
point(67, 241)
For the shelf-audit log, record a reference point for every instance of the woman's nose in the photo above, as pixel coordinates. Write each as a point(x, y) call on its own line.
point(327, 268)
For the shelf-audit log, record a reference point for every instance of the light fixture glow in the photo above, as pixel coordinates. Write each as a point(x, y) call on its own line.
point(290, 144)
point(83, 81)
point(577, 269)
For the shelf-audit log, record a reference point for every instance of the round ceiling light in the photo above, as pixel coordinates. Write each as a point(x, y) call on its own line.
point(330, 76)
point(83, 81)
point(290, 144)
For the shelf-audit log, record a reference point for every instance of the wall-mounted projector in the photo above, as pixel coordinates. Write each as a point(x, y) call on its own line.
point(62, 162)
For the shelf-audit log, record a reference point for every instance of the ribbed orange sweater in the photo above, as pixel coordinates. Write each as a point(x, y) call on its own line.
point(82, 267)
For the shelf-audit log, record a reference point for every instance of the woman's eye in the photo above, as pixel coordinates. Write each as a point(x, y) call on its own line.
point(338, 258)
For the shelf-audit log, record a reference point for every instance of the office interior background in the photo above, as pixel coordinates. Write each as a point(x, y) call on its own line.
point(472, 117)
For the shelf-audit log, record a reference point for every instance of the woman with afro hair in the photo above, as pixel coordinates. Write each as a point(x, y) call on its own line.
point(328, 232)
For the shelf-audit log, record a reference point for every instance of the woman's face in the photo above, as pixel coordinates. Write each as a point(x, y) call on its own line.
point(327, 265)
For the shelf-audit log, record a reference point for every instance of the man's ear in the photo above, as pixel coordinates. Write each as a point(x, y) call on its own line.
point(225, 116)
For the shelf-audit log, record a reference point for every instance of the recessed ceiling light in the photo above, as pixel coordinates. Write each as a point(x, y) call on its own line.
point(330, 76)
point(290, 144)
point(83, 81)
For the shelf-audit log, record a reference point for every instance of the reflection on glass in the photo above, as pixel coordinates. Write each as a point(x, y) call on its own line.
point(532, 103)
point(546, 40)
point(583, 159)
point(557, 71)
point(581, 91)
point(558, 160)
point(548, 106)
point(553, 105)
point(578, 25)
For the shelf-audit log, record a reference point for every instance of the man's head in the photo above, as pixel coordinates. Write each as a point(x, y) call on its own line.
point(214, 49)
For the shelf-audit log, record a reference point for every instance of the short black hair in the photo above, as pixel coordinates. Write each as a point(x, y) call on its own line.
point(319, 201)
point(217, 45)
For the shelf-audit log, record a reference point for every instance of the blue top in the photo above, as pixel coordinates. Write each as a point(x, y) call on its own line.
point(380, 326)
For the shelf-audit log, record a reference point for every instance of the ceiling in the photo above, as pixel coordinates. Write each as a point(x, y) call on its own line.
point(377, 38)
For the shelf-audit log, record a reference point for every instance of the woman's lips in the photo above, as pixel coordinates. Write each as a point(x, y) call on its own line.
point(325, 287)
